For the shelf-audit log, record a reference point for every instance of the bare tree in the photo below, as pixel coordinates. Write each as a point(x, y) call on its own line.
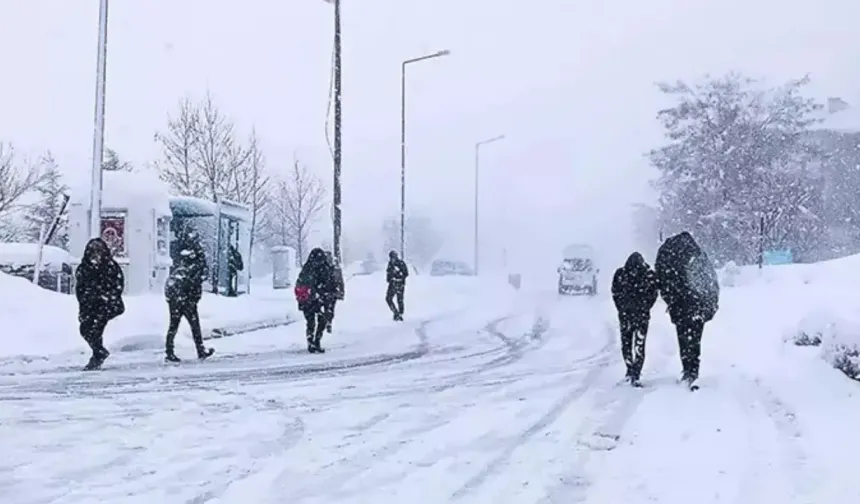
point(178, 147)
point(217, 152)
point(294, 206)
point(16, 180)
point(246, 180)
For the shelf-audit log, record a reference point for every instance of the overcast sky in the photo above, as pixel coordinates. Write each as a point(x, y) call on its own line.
point(569, 82)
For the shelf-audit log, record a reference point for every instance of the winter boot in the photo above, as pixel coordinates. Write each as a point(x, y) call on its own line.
point(171, 357)
point(205, 353)
point(311, 347)
point(317, 347)
point(94, 363)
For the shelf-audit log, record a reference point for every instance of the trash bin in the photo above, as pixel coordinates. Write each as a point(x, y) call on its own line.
point(281, 267)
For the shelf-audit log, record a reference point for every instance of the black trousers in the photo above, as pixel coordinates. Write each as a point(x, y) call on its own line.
point(634, 331)
point(395, 292)
point(329, 309)
point(690, 345)
point(316, 320)
point(92, 330)
point(187, 310)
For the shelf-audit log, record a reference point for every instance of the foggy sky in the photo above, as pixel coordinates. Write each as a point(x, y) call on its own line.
point(570, 83)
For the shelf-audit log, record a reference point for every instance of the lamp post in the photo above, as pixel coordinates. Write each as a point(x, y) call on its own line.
point(403, 143)
point(336, 188)
point(99, 126)
point(477, 180)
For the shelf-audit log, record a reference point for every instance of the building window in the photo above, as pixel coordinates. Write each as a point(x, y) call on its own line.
point(162, 236)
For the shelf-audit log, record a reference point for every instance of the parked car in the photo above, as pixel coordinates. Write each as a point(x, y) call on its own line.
point(578, 273)
point(444, 267)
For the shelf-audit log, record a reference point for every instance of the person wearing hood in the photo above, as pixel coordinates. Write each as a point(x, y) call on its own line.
point(688, 284)
point(314, 292)
point(99, 283)
point(339, 289)
point(183, 291)
point(396, 275)
point(634, 291)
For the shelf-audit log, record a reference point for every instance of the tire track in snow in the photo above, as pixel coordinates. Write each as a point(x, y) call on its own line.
point(596, 369)
point(784, 420)
point(363, 461)
point(614, 409)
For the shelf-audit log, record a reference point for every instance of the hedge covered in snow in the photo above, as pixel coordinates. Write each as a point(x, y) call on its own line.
point(837, 337)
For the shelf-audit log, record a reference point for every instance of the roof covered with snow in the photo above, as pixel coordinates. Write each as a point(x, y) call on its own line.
point(23, 254)
point(122, 189)
point(846, 121)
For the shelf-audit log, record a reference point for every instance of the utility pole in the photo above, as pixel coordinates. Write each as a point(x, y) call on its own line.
point(403, 143)
point(336, 194)
point(99, 126)
point(477, 186)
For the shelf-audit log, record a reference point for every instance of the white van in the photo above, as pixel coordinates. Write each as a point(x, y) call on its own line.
point(578, 273)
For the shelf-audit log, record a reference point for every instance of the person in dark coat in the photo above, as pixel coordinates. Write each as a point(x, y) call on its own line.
point(99, 283)
point(688, 284)
point(634, 291)
point(234, 266)
point(183, 291)
point(314, 292)
point(339, 289)
point(396, 275)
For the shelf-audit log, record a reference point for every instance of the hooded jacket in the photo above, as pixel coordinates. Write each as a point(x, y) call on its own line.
point(687, 279)
point(315, 283)
point(185, 283)
point(634, 287)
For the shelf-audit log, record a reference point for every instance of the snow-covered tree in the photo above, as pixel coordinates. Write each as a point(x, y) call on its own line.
point(112, 162)
point(738, 161)
point(52, 191)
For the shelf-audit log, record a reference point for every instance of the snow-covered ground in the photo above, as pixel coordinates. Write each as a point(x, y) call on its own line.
point(481, 395)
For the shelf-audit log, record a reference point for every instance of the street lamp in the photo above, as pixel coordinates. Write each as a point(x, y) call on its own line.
point(403, 143)
point(477, 165)
point(99, 127)
point(336, 192)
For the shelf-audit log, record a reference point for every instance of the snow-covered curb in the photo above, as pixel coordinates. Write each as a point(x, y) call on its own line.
point(838, 338)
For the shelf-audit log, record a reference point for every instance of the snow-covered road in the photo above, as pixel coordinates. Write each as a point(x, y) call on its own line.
point(479, 404)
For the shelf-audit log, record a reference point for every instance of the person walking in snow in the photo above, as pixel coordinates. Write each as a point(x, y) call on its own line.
point(315, 291)
point(99, 283)
point(396, 275)
point(634, 291)
point(339, 289)
point(183, 291)
point(688, 284)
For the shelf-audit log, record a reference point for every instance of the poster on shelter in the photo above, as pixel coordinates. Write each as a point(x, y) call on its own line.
point(113, 233)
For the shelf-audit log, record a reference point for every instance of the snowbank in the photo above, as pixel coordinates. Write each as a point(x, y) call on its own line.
point(817, 302)
point(40, 322)
point(24, 254)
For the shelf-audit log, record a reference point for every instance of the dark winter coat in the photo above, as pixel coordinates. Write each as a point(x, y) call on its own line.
point(189, 271)
point(338, 283)
point(315, 284)
point(634, 288)
point(687, 280)
point(99, 286)
point(235, 262)
point(397, 271)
